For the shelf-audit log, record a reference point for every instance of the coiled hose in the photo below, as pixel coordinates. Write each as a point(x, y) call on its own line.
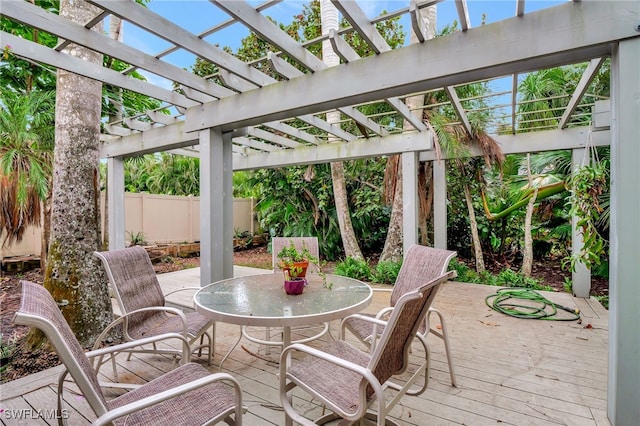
point(511, 301)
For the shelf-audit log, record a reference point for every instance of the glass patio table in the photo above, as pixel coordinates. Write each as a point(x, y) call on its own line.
point(260, 300)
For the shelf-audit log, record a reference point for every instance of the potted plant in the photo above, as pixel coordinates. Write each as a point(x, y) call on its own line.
point(293, 282)
point(290, 256)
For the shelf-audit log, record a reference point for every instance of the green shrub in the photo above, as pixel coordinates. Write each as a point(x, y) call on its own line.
point(354, 268)
point(604, 301)
point(505, 278)
point(465, 274)
point(386, 272)
point(7, 347)
point(510, 278)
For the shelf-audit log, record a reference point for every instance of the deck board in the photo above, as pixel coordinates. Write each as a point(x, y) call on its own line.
point(511, 371)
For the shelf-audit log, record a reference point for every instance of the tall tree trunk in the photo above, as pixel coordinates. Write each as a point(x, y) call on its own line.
point(477, 248)
point(329, 18)
point(392, 250)
point(74, 276)
point(527, 259)
point(425, 189)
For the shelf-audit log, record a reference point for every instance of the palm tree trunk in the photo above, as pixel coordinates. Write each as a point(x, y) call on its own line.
point(349, 240)
point(392, 250)
point(527, 259)
point(74, 276)
point(329, 18)
point(477, 248)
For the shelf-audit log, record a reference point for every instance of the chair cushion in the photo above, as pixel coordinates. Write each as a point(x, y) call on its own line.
point(342, 389)
point(169, 323)
point(195, 407)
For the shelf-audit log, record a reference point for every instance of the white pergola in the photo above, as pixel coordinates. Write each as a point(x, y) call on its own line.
point(241, 118)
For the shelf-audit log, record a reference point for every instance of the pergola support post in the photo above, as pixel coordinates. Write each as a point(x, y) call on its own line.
point(115, 204)
point(581, 276)
point(409, 199)
point(216, 206)
point(624, 291)
point(439, 204)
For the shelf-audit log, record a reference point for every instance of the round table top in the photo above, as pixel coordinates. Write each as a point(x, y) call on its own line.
point(261, 300)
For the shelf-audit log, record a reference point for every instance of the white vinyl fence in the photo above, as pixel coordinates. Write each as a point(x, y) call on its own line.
point(157, 218)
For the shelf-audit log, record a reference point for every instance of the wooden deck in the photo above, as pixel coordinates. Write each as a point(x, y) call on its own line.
point(509, 371)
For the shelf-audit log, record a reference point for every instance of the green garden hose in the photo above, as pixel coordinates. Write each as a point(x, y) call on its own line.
point(506, 300)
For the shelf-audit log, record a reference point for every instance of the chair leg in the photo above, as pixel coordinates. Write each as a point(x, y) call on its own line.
point(114, 366)
point(447, 347)
point(232, 348)
point(212, 339)
point(267, 337)
point(200, 346)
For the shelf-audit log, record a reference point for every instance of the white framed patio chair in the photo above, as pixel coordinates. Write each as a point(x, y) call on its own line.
point(187, 395)
point(435, 262)
point(143, 310)
point(277, 244)
point(349, 381)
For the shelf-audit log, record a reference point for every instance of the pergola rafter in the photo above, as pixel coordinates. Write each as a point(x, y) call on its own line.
point(241, 118)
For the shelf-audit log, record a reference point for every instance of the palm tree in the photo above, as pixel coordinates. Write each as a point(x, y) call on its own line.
point(26, 146)
point(329, 20)
point(74, 276)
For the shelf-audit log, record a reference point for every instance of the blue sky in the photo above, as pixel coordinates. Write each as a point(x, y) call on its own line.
point(200, 15)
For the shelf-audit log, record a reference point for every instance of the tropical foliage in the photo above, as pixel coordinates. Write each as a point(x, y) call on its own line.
point(26, 144)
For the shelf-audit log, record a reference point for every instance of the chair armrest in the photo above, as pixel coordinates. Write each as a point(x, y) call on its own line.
point(181, 289)
point(374, 320)
point(299, 347)
point(179, 303)
point(139, 342)
point(122, 318)
point(149, 401)
point(167, 309)
point(384, 312)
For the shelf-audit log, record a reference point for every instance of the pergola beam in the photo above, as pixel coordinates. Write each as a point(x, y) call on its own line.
point(586, 79)
point(37, 17)
point(548, 140)
point(363, 26)
point(153, 140)
point(292, 131)
point(40, 53)
point(273, 138)
point(161, 118)
point(167, 30)
point(457, 106)
point(269, 32)
point(388, 145)
point(463, 14)
point(347, 53)
point(567, 33)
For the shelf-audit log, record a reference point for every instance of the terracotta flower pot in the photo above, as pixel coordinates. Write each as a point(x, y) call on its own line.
point(304, 264)
point(295, 286)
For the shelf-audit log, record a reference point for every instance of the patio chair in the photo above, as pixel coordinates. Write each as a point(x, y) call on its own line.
point(348, 380)
point(277, 243)
point(143, 307)
point(435, 263)
point(186, 395)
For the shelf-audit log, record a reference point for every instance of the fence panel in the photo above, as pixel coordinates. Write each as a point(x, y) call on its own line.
point(160, 219)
